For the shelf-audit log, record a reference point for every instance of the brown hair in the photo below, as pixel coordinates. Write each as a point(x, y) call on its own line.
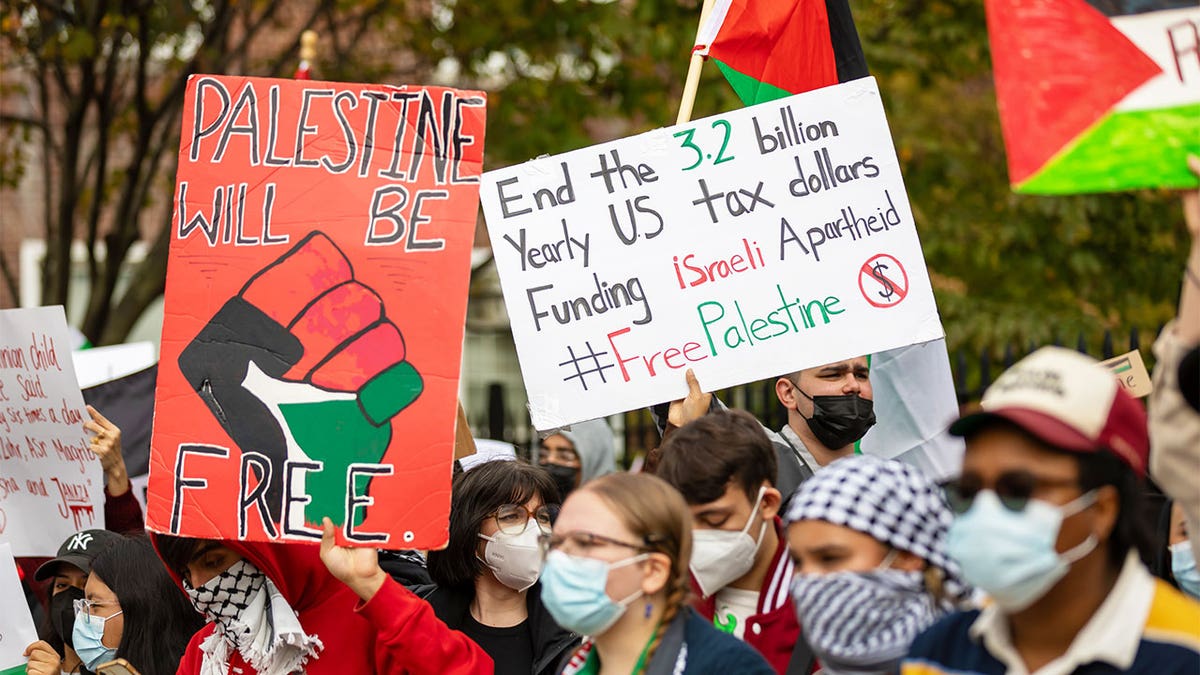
point(705, 455)
point(655, 513)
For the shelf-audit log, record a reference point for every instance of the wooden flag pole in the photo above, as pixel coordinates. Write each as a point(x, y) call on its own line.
point(693, 75)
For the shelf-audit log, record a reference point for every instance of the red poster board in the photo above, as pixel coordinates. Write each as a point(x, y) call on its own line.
point(315, 302)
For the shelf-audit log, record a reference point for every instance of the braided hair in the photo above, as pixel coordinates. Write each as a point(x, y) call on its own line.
point(657, 513)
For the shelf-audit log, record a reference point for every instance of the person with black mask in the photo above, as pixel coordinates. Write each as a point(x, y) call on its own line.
point(829, 407)
point(67, 575)
point(576, 455)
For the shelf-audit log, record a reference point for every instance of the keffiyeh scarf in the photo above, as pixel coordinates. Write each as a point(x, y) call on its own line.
point(251, 616)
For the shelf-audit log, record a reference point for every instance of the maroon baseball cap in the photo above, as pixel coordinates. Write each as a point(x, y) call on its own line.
point(1069, 401)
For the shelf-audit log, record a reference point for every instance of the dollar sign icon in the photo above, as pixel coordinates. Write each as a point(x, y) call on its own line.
point(889, 289)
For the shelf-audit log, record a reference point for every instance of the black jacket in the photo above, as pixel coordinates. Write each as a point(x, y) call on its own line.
point(551, 643)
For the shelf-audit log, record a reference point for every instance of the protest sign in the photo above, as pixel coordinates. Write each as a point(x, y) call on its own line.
point(314, 311)
point(1097, 95)
point(1130, 371)
point(16, 624)
point(745, 245)
point(50, 482)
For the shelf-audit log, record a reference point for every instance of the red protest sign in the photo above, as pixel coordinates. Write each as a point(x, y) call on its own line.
point(315, 301)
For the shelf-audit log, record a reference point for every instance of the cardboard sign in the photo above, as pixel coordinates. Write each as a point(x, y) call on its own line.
point(16, 624)
point(1130, 371)
point(315, 304)
point(51, 485)
point(1097, 95)
point(745, 246)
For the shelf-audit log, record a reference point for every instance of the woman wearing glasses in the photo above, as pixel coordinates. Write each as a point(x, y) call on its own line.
point(868, 537)
point(617, 571)
point(486, 578)
point(132, 610)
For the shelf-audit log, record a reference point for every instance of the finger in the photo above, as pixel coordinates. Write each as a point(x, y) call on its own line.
point(98, 417)
point(1194, 164)
point(94, 428)
point(693, 383)
point(327, 542)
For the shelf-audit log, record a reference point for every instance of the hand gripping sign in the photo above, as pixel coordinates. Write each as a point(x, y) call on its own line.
point(314, 311)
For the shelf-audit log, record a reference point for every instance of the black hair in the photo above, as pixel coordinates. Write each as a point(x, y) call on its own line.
point(159, 620)
point(1097, 469)
point(176, 552)
point(700, 458)
point(474, 495)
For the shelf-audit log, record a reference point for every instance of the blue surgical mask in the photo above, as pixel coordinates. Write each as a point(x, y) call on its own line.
point(573, 592)
point(1183, 568)
point(1011, 555)
point(86, 637)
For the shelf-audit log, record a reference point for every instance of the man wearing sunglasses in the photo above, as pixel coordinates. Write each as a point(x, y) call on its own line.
point(1047, 525)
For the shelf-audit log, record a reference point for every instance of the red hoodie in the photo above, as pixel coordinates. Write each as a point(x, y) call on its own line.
point(395, 632)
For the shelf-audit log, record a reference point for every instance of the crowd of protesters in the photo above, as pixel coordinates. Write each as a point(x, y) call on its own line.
point(737, 549)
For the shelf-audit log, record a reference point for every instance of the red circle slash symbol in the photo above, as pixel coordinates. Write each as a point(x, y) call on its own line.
point(883, 281)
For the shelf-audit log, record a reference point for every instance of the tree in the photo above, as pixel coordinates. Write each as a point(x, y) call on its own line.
point(106, 81)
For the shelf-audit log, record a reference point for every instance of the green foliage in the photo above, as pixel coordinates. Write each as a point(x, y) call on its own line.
point(1007, 268)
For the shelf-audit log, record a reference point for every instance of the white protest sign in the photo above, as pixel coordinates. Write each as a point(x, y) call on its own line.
point(16, 625)
point(745, 245)
point(51, 484)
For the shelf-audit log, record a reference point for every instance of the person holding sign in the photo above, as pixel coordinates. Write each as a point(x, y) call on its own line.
point(276, 608)
point(1048, 525)
point(725, 466)
point(830, 408)
point(616, 571)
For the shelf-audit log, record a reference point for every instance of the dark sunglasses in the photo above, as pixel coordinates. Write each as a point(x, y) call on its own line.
point(1014, 489)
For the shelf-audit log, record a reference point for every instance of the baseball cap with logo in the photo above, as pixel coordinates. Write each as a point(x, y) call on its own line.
point(1067, 400)
point(80, 549)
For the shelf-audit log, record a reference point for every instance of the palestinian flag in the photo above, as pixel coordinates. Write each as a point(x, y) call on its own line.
point(769, 49)
point(1097, 95)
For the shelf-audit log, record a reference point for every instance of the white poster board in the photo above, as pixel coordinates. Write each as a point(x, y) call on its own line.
point(16, 624)
point(51, 484)
point(744, 246)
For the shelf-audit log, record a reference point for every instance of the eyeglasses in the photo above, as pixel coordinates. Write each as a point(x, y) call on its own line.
point(582, 542)
point(514, 518)
point(84, 606)
point(1014, 489)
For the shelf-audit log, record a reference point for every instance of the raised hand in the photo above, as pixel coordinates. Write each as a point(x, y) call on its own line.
point(106, 445)
point(358, 568)
point(694, 406)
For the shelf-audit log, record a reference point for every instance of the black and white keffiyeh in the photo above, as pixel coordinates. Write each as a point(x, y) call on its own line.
point(862, 622)
point(888, 500)
point(252, 616)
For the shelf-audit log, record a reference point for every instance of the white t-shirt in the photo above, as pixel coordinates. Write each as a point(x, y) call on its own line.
point(733, 607)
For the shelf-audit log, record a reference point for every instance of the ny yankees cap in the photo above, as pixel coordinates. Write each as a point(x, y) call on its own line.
point(1070, 401)
point(80, 549)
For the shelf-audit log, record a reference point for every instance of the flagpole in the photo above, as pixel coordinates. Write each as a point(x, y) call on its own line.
point(693, 76)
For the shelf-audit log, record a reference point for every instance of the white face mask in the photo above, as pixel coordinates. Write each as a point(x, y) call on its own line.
point(720, 557)
point(515, 559)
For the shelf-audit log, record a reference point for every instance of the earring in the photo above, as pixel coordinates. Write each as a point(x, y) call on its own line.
point(649, 608)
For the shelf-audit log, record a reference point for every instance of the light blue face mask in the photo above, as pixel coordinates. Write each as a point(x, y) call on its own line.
point(573, 592)
point(86, 637)
point(1183, 568)
point(1010, 554)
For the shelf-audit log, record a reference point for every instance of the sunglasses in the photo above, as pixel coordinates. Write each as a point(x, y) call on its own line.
point(1014, 489)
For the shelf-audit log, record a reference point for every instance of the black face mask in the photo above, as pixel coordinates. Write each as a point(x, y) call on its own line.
point(62, 612)
point(838, 421)
point(563, 477)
